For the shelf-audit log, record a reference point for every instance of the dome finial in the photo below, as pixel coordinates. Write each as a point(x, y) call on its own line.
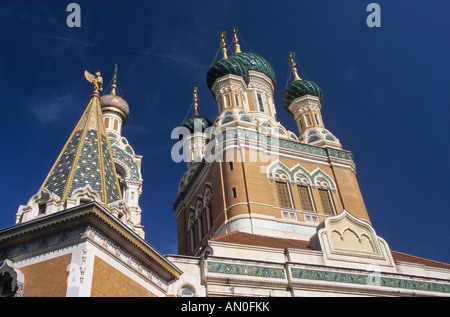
point(96, 79)
point(114, 86)
point(237, 47)
point(292, 63)
point(195, 102)
point(223, 44)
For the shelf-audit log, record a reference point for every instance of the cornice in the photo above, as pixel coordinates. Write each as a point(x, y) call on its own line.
point(97, 216)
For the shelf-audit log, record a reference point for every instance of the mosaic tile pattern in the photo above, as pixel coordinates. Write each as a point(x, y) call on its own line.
point(227, 119)
point(367, 279)
point(287, 144)
point(111, 184)
point(313, 139)
point(122, 156)
point(248, 270)
point(58, 177)
point(187, 292)
point(88, 167)
point(85, 160)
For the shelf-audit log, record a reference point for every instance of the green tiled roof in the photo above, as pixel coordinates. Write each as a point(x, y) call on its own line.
point(86, 159)
point(300, 88)
point(196, 124)
point(239, 64)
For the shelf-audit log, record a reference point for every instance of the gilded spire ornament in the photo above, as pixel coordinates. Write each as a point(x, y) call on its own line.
point(195, 102)
point(237, 47)
point(114, 84)
point(223, 44)
point(97, 81)
point(292, 63)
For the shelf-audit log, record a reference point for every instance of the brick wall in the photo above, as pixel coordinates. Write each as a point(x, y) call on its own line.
point(109, 282)
point(47, 278)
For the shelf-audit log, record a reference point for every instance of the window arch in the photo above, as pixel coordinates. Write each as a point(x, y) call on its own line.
point(191, 230)
point(198, 221)
point(284, 194)
point(207, 216)
point(187, 291)
point(281, 176)
point(121, 176)
point(306, 200)
point(327, 201)
point(11, 280)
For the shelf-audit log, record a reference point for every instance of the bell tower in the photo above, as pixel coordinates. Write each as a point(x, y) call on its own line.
point(127, 164)
point(193, 135)
point(303, 99)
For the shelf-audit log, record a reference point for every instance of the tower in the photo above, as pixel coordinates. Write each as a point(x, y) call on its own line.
point(192, 134)
point(303, 99)
point(127, 164)
point(80, 234)
point(256, 176)
point(265, 211)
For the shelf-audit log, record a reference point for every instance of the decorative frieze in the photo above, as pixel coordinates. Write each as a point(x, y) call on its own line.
point(375, 280)
point(248, 270)
point(371, 279)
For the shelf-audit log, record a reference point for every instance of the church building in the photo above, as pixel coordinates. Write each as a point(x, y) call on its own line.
point(260, 210)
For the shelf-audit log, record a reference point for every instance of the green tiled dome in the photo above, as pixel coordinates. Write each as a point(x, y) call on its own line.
point(239, 64)
point(196, 123)
point(300, 88)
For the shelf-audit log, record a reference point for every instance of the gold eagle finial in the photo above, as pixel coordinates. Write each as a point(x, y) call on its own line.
point(96, 79)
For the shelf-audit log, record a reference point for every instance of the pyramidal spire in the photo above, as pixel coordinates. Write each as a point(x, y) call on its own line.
point(86, 158)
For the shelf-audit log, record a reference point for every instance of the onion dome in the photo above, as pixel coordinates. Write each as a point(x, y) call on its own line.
point(114, 103)
point(196, 123)
point(299, 87)
point(238, 64)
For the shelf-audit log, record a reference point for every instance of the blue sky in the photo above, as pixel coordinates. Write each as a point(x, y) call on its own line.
point(386, 95)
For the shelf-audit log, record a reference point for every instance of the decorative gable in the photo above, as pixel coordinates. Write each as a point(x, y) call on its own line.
point(348, 241)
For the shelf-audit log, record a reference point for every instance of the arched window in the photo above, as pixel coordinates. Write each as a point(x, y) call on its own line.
point(327, 201)
point(187, 291)
point(11, 280)
point(199, 221)
point(305, 198)
point(121, 174)
point(190, 231)
point(259, 99)
point(284, 194)
point(199, 228)
point(208, 217)
point(6, 286)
